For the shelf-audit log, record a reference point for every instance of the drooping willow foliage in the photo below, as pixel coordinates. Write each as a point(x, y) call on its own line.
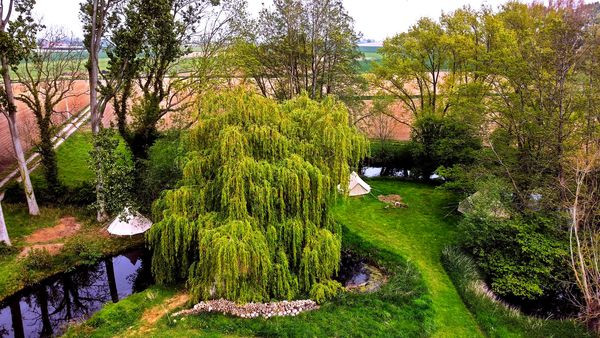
point(250, 221)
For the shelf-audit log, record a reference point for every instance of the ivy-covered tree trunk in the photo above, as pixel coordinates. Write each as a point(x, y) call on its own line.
point(250, 219)
point(48, 155)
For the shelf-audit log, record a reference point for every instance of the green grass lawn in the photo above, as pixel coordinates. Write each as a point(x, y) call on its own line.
point(73, 158)
point(418, 233)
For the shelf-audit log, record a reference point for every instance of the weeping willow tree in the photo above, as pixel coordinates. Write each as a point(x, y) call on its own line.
point(249, 220)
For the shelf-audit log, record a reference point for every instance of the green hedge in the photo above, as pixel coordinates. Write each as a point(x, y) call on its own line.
point(390, 154)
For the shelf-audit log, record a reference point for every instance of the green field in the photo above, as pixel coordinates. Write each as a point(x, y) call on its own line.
point(370, 55)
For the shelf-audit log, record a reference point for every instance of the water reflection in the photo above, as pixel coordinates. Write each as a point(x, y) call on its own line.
point(384, 171)
point(46, 309)
point(391, 172)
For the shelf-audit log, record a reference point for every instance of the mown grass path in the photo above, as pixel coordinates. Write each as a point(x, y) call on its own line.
point(419, 233)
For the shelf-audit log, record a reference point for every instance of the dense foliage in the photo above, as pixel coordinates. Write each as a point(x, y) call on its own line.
point(249, 220)
point(442, 141)
point(389, 154)
point(160, 171)
point(115, 166)
point(521, 256)
point(495, 318)
point(510, 97)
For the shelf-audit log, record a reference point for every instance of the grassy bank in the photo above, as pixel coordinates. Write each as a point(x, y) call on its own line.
point(72, 158)
point(401, 308)
point(86, 247)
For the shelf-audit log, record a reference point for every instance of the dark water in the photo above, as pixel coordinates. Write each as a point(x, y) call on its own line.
point(352, 269)
point(557, 305)
point(45, 309)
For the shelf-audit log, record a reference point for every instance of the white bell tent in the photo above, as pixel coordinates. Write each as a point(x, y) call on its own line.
point(129, 223)
point(357, 186)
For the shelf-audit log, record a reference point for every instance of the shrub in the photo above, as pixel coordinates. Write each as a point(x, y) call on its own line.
point(442, 141)
point(38, 260)
point(7, 250)
point(522, 257)
point(113, 159)
point(160, 170)
point(86, 252)
point(82, 195)
point(391, 155)
point(13, 193)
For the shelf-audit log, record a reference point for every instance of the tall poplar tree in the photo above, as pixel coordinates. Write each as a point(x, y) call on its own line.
point(17, 39)
point(250, 219)
point(98, 17)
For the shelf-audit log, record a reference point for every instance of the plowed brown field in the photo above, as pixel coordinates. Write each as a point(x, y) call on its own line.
point(26, 121)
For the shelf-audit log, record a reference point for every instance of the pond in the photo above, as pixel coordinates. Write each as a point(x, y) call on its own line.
point(555, 305)
point(383, 171)
point(356, 274)
point(370, 172)
point(46, 309)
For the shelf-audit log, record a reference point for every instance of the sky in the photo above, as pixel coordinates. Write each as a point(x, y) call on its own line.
point(375, 19)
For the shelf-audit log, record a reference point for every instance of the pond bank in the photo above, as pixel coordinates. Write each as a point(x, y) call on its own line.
point(85, 247)
point(45, 309)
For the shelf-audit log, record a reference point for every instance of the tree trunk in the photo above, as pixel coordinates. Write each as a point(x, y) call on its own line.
point(95, 115)
point(3, 231)
point(11, 117)
point(93, 74)
point(48, 157)
point(42, 300)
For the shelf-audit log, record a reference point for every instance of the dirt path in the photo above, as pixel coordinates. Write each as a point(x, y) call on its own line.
point(151, 316)
point(51, 239)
